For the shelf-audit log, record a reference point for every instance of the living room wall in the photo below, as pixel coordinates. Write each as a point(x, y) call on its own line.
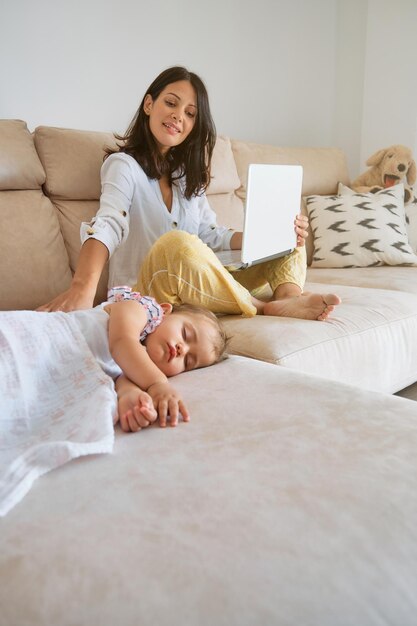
point(286, 72)
point(390, 85)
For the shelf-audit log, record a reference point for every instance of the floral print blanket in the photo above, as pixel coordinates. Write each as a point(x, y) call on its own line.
point(56, 402)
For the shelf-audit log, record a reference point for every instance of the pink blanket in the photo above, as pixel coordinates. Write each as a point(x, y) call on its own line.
point(56, 403)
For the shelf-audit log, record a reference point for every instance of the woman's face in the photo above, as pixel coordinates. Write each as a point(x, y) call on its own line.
point(172, 114)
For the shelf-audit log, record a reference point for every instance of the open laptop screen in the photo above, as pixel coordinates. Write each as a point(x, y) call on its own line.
point(272, 202)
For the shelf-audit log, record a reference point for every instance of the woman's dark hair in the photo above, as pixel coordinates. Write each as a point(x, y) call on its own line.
point(192, 158)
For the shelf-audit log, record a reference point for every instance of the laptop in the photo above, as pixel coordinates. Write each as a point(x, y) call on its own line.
point(273, 200)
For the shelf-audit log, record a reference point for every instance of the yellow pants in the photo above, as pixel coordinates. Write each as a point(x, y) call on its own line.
point(180, 269)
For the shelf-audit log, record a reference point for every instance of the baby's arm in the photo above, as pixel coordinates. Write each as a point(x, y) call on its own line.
point(135, 407)
point(127, 321)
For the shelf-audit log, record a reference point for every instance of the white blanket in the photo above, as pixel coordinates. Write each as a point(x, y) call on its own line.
point(55, 401)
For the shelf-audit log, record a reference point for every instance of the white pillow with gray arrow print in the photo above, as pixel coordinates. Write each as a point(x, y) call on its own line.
point(410, 215)
point(360, 229)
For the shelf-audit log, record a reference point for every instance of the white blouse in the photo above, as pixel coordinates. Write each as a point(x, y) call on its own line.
point(132, 216)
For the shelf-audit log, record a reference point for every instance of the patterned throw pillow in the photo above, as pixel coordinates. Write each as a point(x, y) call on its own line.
point(411, 219)
point(410, 215)
point(360, 229)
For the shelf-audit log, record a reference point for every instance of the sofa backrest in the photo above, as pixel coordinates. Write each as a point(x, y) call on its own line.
point(72, 160)
point(323, 169)
point(33, 259)
point(50, 183)
point(225, 181)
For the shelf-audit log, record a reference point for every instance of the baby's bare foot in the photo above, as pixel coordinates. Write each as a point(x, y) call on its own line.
point(308, 306)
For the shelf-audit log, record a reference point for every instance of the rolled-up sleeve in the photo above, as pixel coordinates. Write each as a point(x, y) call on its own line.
point(216, 237)
point(111, 223)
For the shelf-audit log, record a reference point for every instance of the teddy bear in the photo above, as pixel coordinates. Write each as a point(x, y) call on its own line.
point(389, 166)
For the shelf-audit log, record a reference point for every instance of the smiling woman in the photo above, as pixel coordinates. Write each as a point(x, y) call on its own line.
point(173, 133)
point(171, 120)
point(154, 184)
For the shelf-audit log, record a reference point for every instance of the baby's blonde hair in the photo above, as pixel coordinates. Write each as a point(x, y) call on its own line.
point(222, 339)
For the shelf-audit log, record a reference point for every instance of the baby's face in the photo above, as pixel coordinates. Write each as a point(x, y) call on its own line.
point(182, 342)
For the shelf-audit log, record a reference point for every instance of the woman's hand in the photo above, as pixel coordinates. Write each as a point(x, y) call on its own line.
point(80, 295)
point(72, 299)
point(168, 402)
point(301, 228)
point(236, 240)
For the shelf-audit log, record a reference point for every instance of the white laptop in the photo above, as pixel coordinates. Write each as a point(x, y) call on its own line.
point(272, 201)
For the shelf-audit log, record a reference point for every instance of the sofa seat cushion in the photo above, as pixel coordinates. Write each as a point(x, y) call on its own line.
point(369, 341)
point(397, 278)
point(283, 501)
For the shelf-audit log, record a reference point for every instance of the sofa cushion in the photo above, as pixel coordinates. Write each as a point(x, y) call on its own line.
point(225, 181)
point(290, 500)
point(323, 168)
point(33, 260)
point(411, 223)
point(228, 208)
point(395, 277)
point(224, 176)
point(72, 160)
point(410, 216)
point(20, 167)
point(70, 215)
point(360, 229)
point(369, 341)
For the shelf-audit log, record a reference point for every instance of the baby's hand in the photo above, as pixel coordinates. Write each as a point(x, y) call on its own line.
point(167, 401)
point(136, 410)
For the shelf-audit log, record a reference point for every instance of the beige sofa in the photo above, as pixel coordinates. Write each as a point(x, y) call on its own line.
point(50, 182)
point(289, 498)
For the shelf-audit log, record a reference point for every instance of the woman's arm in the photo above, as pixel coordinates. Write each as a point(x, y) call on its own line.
point(107, 231)
point(80, 295)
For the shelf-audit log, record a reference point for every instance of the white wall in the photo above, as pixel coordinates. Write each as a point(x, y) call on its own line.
point(390, 78)
point(269, 65)
point(289, 72)
point(350, 54)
